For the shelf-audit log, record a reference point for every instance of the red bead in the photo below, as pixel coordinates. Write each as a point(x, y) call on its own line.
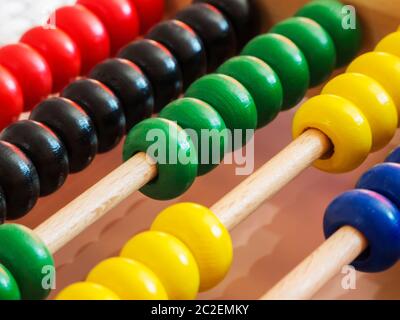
point(11, 99)
point(119, 17)
point(150, 13)
point(31, 71)
point(87, 31)
point(60, 52)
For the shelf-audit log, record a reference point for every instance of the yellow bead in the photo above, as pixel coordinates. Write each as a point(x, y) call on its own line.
point(343, 123)
point(383, 68)
point(390, 44)
point(205, 236)
point(86, 291)
point(373, 101)
point(169, 259)
point(129, 279)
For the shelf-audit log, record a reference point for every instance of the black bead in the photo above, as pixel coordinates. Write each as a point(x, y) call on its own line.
point(130, 85)
point(3, 207)
point(185, 45)
point(160, 66)
point(44, 149)
point(19, 180)
point(214, 29)
point(73, 126)
point(103, 107)
point(242, 14)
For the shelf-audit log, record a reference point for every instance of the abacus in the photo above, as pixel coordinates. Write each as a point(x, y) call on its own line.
point(210, 67)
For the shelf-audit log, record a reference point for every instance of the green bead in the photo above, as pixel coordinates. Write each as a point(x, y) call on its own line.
point(8, 286)
point(261, 81)
point(174, 152)
point(28, 260)
point(315, 43)
point(286, 59)
point(197, 115)
point(330, 14)
point(231, 100)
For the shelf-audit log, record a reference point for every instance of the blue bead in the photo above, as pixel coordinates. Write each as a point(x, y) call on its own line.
point(383, 179)
point(394, 156)
point(376, 218)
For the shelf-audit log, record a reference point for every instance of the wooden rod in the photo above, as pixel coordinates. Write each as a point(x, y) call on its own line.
point(238, 204)
point(341, 249)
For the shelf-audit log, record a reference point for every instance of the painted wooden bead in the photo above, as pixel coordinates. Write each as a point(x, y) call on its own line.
point(198, 117)
point(331, 15)
point(11, 98)
point(261, 81)
point(87, 31)
point(374, 102)
point(243, 16)
point(390, 44)
point(286, 59)
point(19, 180)
point(376, 218)
point(394, 156)
point(59, 50)
point(130, 85)
point(28, 260)
point(103, 107)
point(44, 148)
point(73, 126)
point(160, 66)
point(214, 29)
point(3, 206)
point(206, 237)
point(120, 18)
point(150, 13)
point(185, 45)
point(344, 124)
point(230, 99)
point(382, 67)
point(169, 259)
point(173, 151)
point(86, 291)
point(128, 279)
point(9, 289)
point(31, 71)
point(315, 43)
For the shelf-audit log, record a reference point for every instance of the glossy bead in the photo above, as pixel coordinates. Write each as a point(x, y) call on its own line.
point(198, 116)
point(87, 31)
point(128, 279)
point(31, 71)
point(150, 12)
point(130, 85)
point(214, 29)
point(315, 43)
point(3, 206)
point(19, 180)
point(176, 160)
point(206, 237)
point(11, 98)
point(332, 16)
point(376, 218)
point(9, 289)
point(390, 44)
point(382, 67)
point(169, 259)
point(286, 59)
point(73, 126)
point(394, 156)
point(185, 45)
point(261, 81)
point(242, 14)
point(120, 18)
point(230, 99)
point(86, 291)
point(103, 107)
point(343, 123)
point(160, 66)
point(374, 102)
point(43, 147)
point(28, 260)
point(59, 50)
